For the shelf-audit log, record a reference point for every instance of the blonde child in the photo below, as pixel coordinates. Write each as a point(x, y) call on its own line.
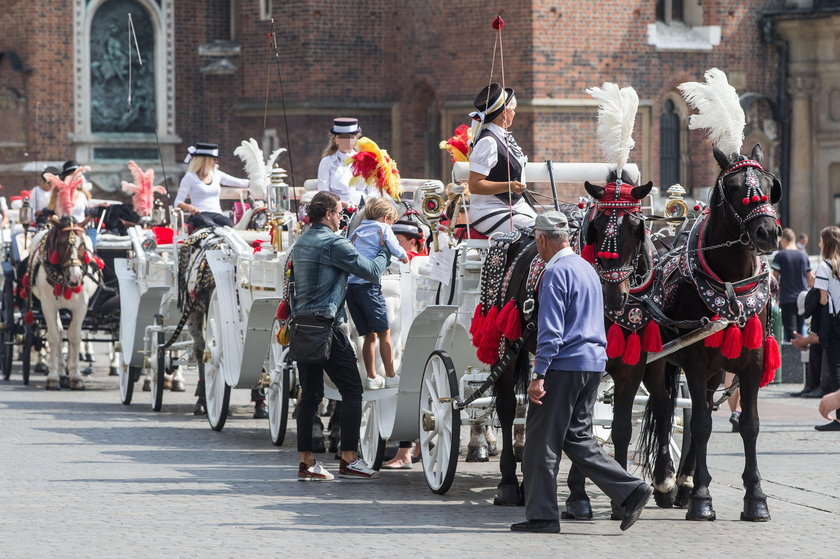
point(365, 300)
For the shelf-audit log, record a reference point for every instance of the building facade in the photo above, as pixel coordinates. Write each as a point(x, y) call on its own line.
point(407, 70)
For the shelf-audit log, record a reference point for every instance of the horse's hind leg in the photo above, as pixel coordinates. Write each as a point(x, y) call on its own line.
point(578, 506)
point(755, 501)
point(508, 492)
point(54, 330)
point(700, 503)
point(626, 381)
point(197, 333)
point(490, 438)
point(476, 449)
point(74, 343)
point(519, 433)
point(662, 381)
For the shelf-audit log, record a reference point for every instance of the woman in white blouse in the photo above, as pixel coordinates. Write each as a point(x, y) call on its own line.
point(497, 166)
point(333, 175)
point(202, 185)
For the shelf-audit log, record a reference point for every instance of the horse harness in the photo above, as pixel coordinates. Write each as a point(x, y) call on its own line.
point(754, 195)
point(55, 265)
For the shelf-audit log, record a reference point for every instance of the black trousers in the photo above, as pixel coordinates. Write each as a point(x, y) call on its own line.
point(832, 349)
point(344, 372)
point(208, 219)
point(792, 321)
point(563, 423)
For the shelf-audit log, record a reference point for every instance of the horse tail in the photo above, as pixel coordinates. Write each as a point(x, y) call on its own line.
point(178, 329)
point(657, 424)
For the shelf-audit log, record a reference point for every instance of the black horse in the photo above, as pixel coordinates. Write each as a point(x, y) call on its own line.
point(717, 274)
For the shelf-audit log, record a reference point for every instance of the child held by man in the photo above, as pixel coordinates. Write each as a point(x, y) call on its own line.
point(365, 300)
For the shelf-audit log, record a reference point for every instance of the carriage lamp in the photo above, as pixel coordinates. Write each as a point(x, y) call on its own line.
point(675, 207)
point(25, 212)
point(159, 213)
point(278, 196)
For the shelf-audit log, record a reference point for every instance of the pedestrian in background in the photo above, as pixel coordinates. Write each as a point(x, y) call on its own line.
point(792, 270)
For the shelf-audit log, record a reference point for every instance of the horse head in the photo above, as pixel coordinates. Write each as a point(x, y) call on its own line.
point(748, 193)
point(66, 248)
point(616, 229)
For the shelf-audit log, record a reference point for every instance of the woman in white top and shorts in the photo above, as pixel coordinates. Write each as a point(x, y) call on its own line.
point(203, 185)
point(333, 175)
point(497, 166)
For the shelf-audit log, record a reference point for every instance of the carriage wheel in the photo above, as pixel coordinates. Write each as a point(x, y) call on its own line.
point(371, 443)
point(128, 376)
point(8, 338)
point(26, 356)
point(160, 369)
point(277, 398)
point(216, 390)
point(440, 422)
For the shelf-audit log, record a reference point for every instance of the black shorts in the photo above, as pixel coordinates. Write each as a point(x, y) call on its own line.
point(367, 307)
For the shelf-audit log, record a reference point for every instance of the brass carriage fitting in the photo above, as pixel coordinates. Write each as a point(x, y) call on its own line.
point(675, 207)
point(147, 362)
point(264, 381)
point(428, 422)
point(18, 339)
point(207, 356)
point(117, 345)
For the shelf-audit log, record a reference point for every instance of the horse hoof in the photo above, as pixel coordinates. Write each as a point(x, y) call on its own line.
point(577, 510)
point(200, 408)
point(492, 449)
point(167, 384)
point(77, 385)
point(700, 509)
point(113, 372)
point(508, 495)
point(755, 510)
point(477, 454)
point(260, 410)
point(147, 385)
point(42, 368)
point(665, 500)
point(89, 357)
point(179, 386)
point(518, 453)
point(64, 381)
point(52, 385)
point(683, 497)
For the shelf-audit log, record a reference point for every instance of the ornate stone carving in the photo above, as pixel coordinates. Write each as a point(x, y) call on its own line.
point(803, 86)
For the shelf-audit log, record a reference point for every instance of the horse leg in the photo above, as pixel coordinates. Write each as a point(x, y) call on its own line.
point(662, 382)
point(626, 381)
point(54, 329)
point(700, 502)
point(197, 333)
point(113, 367)
point(74, 344)
point(519, 433)
point(508, 492)
point(578, 506)
point(755, 501)
point(490, 438)
point(179, 383)
point(476, 449)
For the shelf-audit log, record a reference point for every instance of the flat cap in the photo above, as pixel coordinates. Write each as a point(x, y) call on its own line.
point(551, 221)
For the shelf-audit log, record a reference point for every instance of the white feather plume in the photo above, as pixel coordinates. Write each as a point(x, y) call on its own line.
point(616, 116)
point(719, 111)
point(273, 158)
point(252, 156)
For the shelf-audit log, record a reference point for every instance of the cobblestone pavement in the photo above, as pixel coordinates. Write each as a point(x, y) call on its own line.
point(81, 475)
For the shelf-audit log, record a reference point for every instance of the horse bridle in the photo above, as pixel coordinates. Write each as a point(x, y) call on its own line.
point(615, 208)
point(71, 258)
point(754, 195)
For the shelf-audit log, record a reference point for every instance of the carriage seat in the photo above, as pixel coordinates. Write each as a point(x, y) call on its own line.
point(110, 241)
point(251, 236)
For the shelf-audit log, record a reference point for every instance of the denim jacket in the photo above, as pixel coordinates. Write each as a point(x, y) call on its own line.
point(322, 260)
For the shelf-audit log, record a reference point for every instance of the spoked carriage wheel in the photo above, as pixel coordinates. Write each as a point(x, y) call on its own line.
point(8, 337)
point(159, 368)
point(277, 398)
point(26, 354)
point(128, 376)
point(371, 443)
point(440, 422)
point(216, 390)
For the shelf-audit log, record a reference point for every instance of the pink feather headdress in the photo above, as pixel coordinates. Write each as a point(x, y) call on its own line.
point(67, 190)
point(142, 188)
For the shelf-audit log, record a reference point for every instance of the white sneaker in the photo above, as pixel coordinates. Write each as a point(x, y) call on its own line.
point(315, 472)
point(374, 383)
point(356, 470)
point(392, 382)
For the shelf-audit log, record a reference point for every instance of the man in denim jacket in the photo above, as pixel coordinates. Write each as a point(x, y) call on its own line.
point(322, 261)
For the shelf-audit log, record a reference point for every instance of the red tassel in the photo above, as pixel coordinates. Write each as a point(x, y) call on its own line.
point(100, 264)
point(753, 334)
point(772, 360)
point(502, 319)
point(652, 338)
point(57, 289)
point(715, 340)
point(491, 338)
point(588, 253)
point(282, 310)
point(732, 346)
point(87, 257)
point(54, 258)
point(77, 289)
point(632, 349)
point(23, 293)
point(68, 292)
point(511, 326)
point(29, 318)
point(476, 326)
point(25, 281)
point(615, 341)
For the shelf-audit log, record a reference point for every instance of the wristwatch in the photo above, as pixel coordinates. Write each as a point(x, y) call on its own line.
point(538, 376)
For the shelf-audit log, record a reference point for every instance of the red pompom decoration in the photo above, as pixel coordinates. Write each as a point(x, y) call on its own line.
point(509, 322)
point(68, 292)
point(588, 253)
point(476, 326)
point(490, 332)
point(282, 310)
point(732, 346)
point(753, 334)
point(764, 198)
point(54, 258)
point(87, 257)
point(615, 341)
point(772, 361)
point(746, 201)
point(29, 318)
point(632, 349)
point(498, 23)
point(652, 338)
point(23, 293)
point(99, 263)
point(581, 205)
point(755, 198)
point(77, 289)
point(57, 289)
point(25, 280)
point(696, 207)
point(614, 256)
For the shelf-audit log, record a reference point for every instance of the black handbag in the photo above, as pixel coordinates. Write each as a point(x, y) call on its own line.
point(310, 339)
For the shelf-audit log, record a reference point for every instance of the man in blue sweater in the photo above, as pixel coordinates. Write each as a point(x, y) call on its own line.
point(569, 363)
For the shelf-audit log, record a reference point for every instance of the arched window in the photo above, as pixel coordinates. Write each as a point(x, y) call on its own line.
point(669, 145)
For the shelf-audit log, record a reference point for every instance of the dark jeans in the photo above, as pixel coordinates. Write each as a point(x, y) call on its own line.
point(791, 320)
point(208, 219)
point(344, 372)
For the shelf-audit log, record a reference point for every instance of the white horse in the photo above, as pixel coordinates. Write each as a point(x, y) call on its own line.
point(64, 274)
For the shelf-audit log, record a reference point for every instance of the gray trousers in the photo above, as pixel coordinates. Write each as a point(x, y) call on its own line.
point(563, 423)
